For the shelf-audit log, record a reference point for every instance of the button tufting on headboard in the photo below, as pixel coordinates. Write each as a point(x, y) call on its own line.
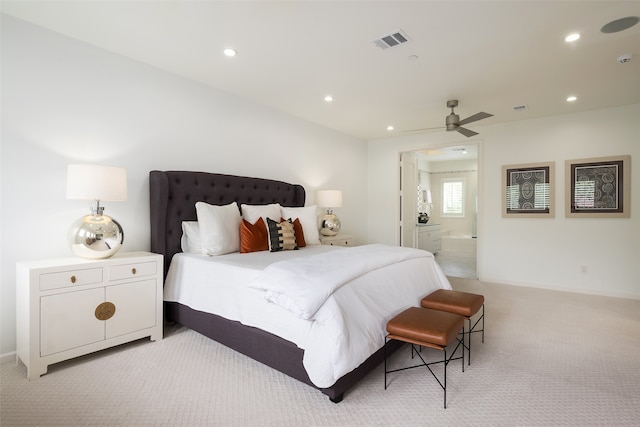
point(173, 195)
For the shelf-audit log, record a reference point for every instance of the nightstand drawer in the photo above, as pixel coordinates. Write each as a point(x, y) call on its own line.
point(129, 271)
point(70, 278)
point(342, 242)
point(339, 240)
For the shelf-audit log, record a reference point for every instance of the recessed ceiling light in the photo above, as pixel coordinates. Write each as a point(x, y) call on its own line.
point(571, 98)
point(572, 37)
point(328, 98)
point(390, 128)
point(230, 52)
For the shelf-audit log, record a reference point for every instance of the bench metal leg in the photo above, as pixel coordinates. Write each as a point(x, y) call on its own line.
point(473, 330)
point(445, 360)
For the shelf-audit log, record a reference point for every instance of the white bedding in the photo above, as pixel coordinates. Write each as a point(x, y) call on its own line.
point(349, 323)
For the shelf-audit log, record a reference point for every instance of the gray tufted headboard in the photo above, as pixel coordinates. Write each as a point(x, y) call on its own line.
point(173, 195)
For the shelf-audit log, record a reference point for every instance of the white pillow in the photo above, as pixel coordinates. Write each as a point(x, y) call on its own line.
point(308, 216)
point(219, 228)
point(191, 241)
point(252, 212)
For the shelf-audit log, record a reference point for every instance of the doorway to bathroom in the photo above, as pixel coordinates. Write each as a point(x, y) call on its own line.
point(439, 200)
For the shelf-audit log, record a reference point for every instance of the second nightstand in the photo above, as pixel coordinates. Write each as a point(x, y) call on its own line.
point(338, 240)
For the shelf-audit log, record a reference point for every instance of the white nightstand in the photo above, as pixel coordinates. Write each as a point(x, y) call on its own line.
point(71, 307)
point(339, 240)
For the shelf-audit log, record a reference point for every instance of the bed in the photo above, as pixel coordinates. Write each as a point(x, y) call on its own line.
point(234, 319)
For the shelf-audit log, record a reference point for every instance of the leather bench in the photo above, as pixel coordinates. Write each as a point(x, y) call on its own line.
point(461, 303)
point(426, 328)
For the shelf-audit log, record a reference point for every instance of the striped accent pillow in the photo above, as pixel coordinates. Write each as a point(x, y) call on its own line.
point(281, 236)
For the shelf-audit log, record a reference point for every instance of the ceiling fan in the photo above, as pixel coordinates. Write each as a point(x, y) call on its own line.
point(453, 121)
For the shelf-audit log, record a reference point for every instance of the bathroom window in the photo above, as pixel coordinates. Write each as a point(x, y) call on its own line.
point(453, 197)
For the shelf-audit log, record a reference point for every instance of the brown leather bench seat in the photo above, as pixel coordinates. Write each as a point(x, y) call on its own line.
point(461, 303)
point(426, 328)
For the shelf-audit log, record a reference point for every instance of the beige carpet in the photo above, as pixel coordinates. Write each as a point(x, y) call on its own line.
point(549, 358)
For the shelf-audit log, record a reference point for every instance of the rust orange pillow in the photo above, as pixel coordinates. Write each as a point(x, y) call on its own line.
point(253, 237)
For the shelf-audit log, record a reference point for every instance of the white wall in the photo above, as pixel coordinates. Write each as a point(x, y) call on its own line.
point(65, 102)
point(545, 253)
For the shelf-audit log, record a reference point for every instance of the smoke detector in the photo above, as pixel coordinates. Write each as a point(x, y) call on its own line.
point(624, 59)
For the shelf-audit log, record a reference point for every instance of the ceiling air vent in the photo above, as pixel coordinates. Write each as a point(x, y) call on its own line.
point(394, 39)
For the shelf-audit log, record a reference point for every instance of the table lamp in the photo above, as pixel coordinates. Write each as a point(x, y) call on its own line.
point(96, 235)
point(329, 199)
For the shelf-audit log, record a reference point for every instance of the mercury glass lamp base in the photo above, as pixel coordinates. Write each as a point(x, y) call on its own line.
point(96, 237)
point(330, 225)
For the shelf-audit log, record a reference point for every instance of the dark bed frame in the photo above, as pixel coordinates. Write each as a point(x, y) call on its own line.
point(173, 195)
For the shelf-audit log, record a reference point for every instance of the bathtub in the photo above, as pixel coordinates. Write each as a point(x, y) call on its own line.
point(462, 245)
point(458, 256)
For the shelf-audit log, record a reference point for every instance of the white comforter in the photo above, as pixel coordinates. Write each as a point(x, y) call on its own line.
point(337, 313)
point(302, 285)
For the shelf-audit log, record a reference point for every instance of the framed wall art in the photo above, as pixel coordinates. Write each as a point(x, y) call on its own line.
point(528, 190)
point(598, 187)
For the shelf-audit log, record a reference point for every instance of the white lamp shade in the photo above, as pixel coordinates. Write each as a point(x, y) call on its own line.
point(329, 198)
point(96, 182)
point(429, 200)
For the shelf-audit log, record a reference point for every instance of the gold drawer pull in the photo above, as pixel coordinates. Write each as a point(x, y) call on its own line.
point(105, 311)
point(133, 270)
point(73, 279)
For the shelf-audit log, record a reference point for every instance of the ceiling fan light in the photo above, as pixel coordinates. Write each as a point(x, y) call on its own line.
point(452, 121)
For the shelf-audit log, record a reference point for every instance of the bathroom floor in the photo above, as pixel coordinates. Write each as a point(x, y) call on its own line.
point(458, 264)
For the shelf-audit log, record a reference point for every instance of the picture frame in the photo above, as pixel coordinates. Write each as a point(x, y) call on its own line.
point(599, 187)
point(528, 190)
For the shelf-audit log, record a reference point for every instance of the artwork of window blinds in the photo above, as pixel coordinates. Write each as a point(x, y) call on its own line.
point(596, 187)
point(528, 190)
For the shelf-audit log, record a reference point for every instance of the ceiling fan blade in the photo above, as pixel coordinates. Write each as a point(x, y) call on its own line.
point(420, 130)
point(466, 132)
point(475, 118)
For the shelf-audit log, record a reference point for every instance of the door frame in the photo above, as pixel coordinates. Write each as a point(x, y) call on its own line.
point(479, 194)
point(408, 219)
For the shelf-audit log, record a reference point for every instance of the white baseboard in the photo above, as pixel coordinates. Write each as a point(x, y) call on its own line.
point(8, 357)
point(560, 288)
